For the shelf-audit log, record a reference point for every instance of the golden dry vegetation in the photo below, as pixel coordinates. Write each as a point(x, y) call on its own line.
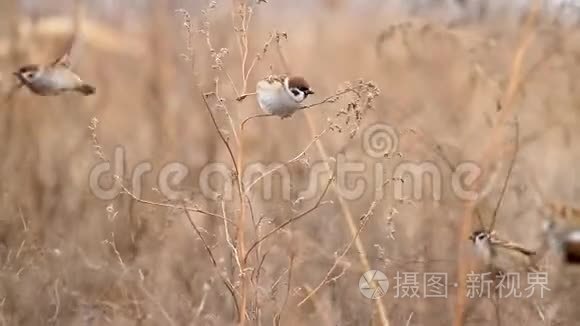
point(68, 257)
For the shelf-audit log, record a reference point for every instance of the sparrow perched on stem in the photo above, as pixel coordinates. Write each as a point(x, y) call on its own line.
point(282, 95)
point(501, 255)
point(497, 254)
point(53, 79)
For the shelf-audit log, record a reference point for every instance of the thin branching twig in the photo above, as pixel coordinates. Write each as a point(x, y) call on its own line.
point(226, 282)
point(291, 220)
point(363, 222)
point(292, 160)
point(152, 203)
point(278, 316)
point(507, 179)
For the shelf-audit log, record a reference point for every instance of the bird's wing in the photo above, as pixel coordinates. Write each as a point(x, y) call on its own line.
point(564, 215)
point(275, 78)
point(71, 48)
point(65, 59)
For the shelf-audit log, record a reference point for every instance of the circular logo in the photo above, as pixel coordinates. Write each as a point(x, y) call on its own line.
point(373, 284)
point(379, 140)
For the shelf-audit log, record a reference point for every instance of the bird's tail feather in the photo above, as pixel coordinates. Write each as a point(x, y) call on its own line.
point(86, 89)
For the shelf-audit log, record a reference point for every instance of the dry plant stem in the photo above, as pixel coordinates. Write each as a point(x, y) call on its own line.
point(507, 104)
point(152, 203)
point(328, 99)
point(226, 282)
point(213, 51)
point(163, 311)
point(222, 137)
point(296, 158)
point(246, 17)
point(274, 285)
point(257, 58)
point(348, 218)
point(21, 215)
point(507, 179)
point(364, 220)
point(229, 239)
point(258, 270)
point(240, 236)
point(278, 316)
point(246, 279)
point(291, 220)
point(409, 319)
point(117, 253)
point(201, 304)
point(54, 317)
point(8, 104)
point(321, 311)
point(245, 13)
point(243, 96)
point(256, 279)
point(236, 169)
point(238, 140)
point(227, 112)
point(261, 115)
point(231, 80)
point(495, 302)
point(241, 219)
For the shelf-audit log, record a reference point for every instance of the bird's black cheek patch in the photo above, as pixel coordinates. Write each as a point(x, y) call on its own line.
point(295, 92)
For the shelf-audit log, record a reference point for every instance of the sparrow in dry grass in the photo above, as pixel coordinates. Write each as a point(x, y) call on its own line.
point(502, 256)
point(497, 254)
point(53, 79)
point(282, 95)
point(562, 229)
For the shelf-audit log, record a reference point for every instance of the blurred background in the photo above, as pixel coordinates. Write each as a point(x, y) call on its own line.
point(68, 257)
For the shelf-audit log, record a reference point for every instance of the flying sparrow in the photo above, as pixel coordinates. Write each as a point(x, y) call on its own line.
point(282, 95)
point(562, 229)
point(53, 79)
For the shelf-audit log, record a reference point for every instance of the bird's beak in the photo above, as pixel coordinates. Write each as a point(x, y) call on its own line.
point(16, 73)
point(471, 237)
point(309, 91)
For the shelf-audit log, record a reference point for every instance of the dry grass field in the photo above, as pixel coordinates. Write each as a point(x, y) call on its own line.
point(149, 204)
